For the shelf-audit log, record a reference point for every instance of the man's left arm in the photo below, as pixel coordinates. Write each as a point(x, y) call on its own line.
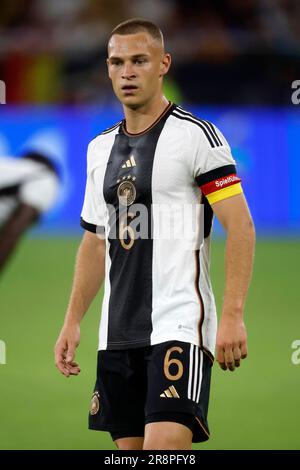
point(234, 215)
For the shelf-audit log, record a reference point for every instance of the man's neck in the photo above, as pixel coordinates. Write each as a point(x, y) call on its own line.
point(138, 120)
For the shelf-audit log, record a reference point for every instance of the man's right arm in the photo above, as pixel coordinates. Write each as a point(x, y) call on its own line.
point(88, 277)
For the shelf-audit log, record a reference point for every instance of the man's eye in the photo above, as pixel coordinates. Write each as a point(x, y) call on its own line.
point(117, 63)
point(140, 61)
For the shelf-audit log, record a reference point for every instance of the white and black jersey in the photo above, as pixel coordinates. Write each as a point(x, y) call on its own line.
point(32, 180)
point(157, 288)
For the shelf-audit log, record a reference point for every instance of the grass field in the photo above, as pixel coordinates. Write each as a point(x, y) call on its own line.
point(256, 407)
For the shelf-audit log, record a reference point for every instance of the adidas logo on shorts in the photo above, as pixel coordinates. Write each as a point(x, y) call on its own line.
point(170, 392)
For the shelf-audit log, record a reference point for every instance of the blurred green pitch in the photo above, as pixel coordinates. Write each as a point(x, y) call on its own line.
point(256, 407)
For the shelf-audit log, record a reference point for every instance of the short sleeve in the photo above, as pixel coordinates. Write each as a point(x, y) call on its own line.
point(93, 210)
point(214, 167)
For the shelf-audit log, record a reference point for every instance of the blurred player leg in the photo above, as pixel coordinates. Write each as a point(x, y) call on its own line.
point(19, 221)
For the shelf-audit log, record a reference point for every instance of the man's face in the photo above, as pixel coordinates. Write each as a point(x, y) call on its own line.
point(136, 64)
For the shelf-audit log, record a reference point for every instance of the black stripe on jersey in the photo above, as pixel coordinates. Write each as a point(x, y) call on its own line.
point(110, 129)
point(213, 131)
point(215, 174)
point(10, 190)
point(39, 158)
point(90, 227)
point(130, 275)
point(186, 118)
point(208, 216)
point(206, 126)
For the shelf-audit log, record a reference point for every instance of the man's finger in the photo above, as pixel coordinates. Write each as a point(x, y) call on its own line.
point(220, 355)
point(60, 361)
point(67, 369)
point(62, 368)
point(244, 351)
point(237, 356)
point(229, 360)
point(74, 372)
point(72, 364)
point(70, 353)
point(60, 353)
point(73, 368)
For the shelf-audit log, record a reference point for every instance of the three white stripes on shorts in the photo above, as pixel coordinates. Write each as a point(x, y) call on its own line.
point(195, 373)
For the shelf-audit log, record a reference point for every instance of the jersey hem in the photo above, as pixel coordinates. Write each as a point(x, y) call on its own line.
point(126, 345)
point(186, 339)
point(157, 340)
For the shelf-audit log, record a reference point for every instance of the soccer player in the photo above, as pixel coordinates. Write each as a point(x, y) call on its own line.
point(158, 326)
point(28, 188)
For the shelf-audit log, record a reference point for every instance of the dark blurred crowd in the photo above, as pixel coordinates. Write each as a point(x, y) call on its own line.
point(224, 51)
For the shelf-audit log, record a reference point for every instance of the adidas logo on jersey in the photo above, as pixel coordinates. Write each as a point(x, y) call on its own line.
point(129, 163)
point(170, 392)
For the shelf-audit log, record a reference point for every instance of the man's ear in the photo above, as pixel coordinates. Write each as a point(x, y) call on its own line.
point(165, 64)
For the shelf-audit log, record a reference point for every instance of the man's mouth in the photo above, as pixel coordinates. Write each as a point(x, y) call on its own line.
point(129, 87)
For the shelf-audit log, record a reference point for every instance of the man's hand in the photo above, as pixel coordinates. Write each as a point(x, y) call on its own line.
point(231, 342)
point(65, 347)
point(88, 277)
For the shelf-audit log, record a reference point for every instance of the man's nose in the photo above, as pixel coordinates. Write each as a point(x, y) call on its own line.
point(128, 71)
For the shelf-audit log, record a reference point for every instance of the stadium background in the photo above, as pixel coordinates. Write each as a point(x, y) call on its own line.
point(233, 63)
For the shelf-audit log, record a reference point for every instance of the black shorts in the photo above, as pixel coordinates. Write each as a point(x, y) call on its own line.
point(165, 382)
